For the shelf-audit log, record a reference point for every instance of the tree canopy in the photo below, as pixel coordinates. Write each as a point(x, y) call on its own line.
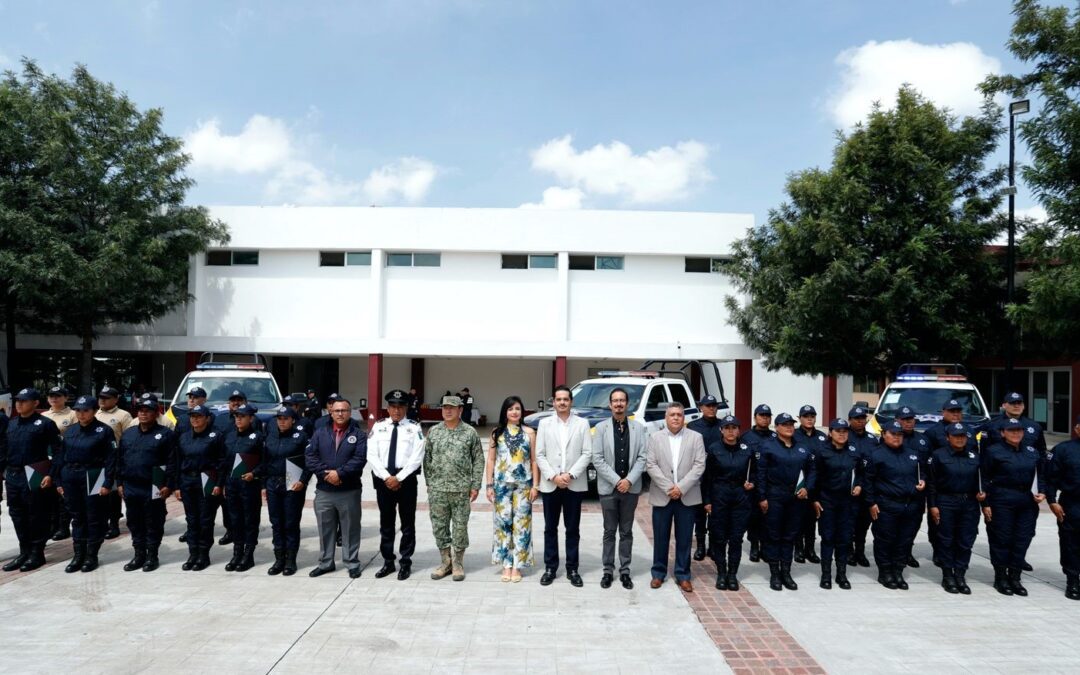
point(879, 259)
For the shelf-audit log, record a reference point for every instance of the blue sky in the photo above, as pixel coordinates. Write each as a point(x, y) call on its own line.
point(702, 106)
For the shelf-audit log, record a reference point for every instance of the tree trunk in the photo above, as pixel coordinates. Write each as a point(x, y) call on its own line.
point(10, 376)
point(86, 366)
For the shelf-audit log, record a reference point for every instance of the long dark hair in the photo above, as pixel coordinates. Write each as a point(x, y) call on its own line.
point(506, 405)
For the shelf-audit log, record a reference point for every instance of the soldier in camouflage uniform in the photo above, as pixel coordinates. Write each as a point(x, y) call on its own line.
point(454, 466)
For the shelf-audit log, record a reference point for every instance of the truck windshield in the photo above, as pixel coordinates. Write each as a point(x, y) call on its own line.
point(929, 401)
point(260, 391)
point(595, 395)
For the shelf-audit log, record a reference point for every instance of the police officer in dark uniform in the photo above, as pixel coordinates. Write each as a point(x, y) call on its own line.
point(837, 488)
point(1009, 469)
point(146, 476)
point(467, 403)
point(199, 452)
point(286, 479)
point(727, 487)
point(1063, 475)
point(32, 439)
point(954, 496)
point(894, 488)
point(84, 467)
point(754, 437)
point(413, 411)
point(195, 396)
point(709, 427)
point(312, 410)
point(806, 432)
point(864, 442)
point(785, 477)
point(937, 436)
point(294, 402)
point(915, 442)
point(225, 426)
point(243, 467)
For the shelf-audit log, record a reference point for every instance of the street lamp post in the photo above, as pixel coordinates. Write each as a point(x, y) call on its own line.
point(1015, 108)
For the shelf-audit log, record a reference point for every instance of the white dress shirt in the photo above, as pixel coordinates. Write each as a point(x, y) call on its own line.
point(564, 439)
point(675, 443)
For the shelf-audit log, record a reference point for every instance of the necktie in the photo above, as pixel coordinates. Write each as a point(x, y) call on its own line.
point(391, 459)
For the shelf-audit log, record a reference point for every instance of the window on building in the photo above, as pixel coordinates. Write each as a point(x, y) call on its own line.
point(582, 262)
point(358, 258)
point(227, 258)
point(707, 265)
point(399, 260)
point(513, 261)
point(331, 258)
point(544, 261)
point(609, 262)
point(413, 260)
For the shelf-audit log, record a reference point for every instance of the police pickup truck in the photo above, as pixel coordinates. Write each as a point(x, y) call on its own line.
point(925, 387)
point(220, 375)
point(649, 391)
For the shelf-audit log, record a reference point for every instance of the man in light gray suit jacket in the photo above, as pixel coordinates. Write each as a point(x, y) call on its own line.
point(675, 460)
point(619, 460)
point(563, 452)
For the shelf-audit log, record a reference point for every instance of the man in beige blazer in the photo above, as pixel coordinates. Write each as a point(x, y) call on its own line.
point(675, 462)
point(563, 452)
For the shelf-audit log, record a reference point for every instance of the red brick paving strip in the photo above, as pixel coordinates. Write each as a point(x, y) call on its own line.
point(751, 640)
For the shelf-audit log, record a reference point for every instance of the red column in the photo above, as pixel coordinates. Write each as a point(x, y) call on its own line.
point(828, 398)
point(191, 359)
point(1074, 403)
point(374, 387)
point(744, 392)
point(558, 375)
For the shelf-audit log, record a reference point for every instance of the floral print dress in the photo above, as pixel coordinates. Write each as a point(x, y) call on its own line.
point(512, 515)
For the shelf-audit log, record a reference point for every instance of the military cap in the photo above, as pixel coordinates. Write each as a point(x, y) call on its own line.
point(453, 401)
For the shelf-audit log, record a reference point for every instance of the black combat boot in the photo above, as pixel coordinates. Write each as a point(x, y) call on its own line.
point(248, 560)
point(810, 554)
point(279, 562)
point(290, 563)
point(17, 562)
point(732, 575)
point(898, 577)
point(755, 551)
point(826, 575)
point(226, 539)
point(785, 577)
point(774, 577)
point(78, 557)
point(1013, 577)
point(885, 577)
point(948, 580)
point(1001, 583)
point(1072, 586)
point(152, 562)
point(841, 576)
point(193, 557)
point(961, 582)
point(237, 556)
point(137, 560)
point(203, 560)
point(721, 577)
point(91, 562)
point(36, 558)
point(860, 558)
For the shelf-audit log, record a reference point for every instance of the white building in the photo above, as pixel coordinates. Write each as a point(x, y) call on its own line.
point(500, 300)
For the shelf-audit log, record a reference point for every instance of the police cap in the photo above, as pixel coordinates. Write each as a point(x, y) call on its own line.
point(839, 424)
point(905, 413)
point(807, 410)
point(246, 409)
point(784, 418)
point(397, 397)
point(763, 409)
point(957, 429)
point(857, 412)
point(708, 399)
point(85, 403)
point(28, 394)
point(728, 421)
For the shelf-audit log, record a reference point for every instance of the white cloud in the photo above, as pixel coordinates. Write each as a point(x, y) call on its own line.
point(558, 198)
point(946, 74)
point(1036, 213)
point(409, 178)
point(267, 146)
point(662, 175)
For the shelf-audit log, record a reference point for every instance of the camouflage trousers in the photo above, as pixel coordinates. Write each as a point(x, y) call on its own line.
point(450, 510)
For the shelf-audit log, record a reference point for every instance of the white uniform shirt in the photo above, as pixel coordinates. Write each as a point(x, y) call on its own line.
point(410, 448)
point(675, 443)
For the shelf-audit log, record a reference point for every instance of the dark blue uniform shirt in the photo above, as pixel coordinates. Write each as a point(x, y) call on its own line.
point(1033, 433)
point(778, 468)
point(250, 442)
point(726, 468)
point(709, 430)
point(839, 470)
point(200, 452)
point(30, 440)
point(892, 474)
point(1063, 472)
point(280, 447)
point(141, 451)
point(952, 473)
point(91, 447)
point(1012, 469)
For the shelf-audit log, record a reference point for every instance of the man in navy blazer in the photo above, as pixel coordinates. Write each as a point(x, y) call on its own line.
point(336, 456)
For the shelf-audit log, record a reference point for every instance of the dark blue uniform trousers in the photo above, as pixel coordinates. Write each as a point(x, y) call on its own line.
point(662, 517)
point(284, 508)
point(727, 522)
point(957, 531)
point(836, 526)
point(1069, 535)
point(145, 517)
point(782, 523)
point(199, 512)
point(88, 512)
point(1011, 526)
point(30, 510)
point(245, 506)
point(895, 529)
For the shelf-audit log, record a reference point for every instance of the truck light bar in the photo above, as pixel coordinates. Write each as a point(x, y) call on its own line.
point(931, 378)
point(628, 373)
point(230, 366)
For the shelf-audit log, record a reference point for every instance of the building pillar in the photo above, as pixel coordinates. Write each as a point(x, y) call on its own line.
point(828, 398)
point(744, 392)
point(191, 359)
point(374, 386)
point(558, 372)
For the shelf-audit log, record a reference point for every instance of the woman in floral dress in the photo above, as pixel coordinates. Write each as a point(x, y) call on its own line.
point(512, 477)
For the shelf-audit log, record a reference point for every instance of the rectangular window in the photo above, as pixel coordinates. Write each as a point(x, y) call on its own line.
point(226, 258)
point(609, 262)
point(513, 261)
point(399, 260)
point(426, 259)
point(358, 258)
point(582, 262)
point(707, 265)
point(331, 259)
point(547, 262)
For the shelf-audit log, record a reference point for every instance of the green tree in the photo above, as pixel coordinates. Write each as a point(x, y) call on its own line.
point(879, 259)
point(112, 236)
point(1048, 40)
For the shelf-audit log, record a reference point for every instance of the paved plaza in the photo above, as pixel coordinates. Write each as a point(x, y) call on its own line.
point(215, 621)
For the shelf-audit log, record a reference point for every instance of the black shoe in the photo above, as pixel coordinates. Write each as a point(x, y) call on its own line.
point(626, 581)
point(1013, 577)
point(61, 534)
point(948, 581)
point(912, 562)
point(226, 539)
point(35, 560)
point(606, 580)
point(826, 578)
point(755, 552)
point(319, 571)
point(721, 577)
point(16, 562)
point(774, 577)
point(699, 552)
point(137, 561)
point(234, 561)
point(114, 530)
point(290, 563)
point(77, 559)
point(91, 562)
point(898, 577)
point(386, 570)
point(575, 578)
point(248, 561)
point(1001, 584)
point(405, 571)
point(202, 562)
point(886, 579)
point(1072, 587)
point(841, 577)
point(961, 583)
point(151, 560)
point(811, 556)
point(183, 538)
point(1026, 566)
point(799, 557)
point(860, 558)
point(189, 564)
point(547, 577)
point(355, 573)
point(279, 562)
point(785, 577)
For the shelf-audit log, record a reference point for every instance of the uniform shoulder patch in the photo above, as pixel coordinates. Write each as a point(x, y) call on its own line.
point(296, 435)
point(351, 439)
point(157, 437)
point(742, 446)
point(252, 435)
point(98, 430)
point(213, 434)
